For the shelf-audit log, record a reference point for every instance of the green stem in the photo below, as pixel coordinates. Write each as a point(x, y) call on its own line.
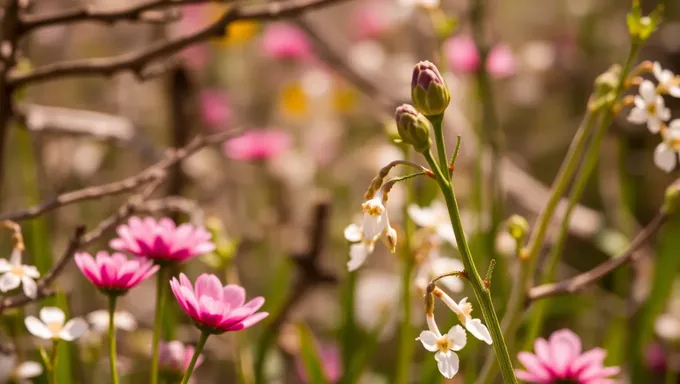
point(482, 294)
point(197, 353)
point(436, 121)
point(112, 339)
point(53, 362)
point(161, 285)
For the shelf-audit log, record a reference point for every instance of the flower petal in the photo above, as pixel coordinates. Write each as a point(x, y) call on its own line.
point(73, 329)
point(422, 216)
point(664, 157)
point(30, 287)
point(357, 255)
point(429, 340)
point(447, 363)
point(478, 330)
point(534, 367)
point(9, 281)
point(648, 90)
point(27, 370)
point(37, 328)
point(565, 347)
point(637, 116)
point(456, 337)
point(353, 233)
point(52, 315)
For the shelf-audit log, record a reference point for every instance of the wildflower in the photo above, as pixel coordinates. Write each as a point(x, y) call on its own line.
point(444, 346)
point(257, 145)
point(114, 274)
point(463, 309)
point(666, 153)
point(370, 20)
point(14, 274)
point(429, 92)
point(11, 371)
point(216, 309)
point(161, 240)
point(174, 357)
point(667, 81)
point(330, 359)
point(500, 62)
point(285, 41)
point(51, 325)
point(375, 217)
point(215, 109)
point(436, 265)
point(560, 359)
point(435, 218)
point(649, 108)
point(122, 320)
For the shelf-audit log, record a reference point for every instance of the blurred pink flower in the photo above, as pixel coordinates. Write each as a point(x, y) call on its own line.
point(463, 56)
point(196, 57)
point(215, 109)
point(114, 274)
point(257, 145)
point(560, 358)
point(193, 15)
point(370, 20)
point(285, 41)
point(161, 240)
point(214, 308)
point(175, 357)
point(329, 356)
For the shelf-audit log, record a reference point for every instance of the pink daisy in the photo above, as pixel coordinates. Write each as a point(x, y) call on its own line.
point(114, 274)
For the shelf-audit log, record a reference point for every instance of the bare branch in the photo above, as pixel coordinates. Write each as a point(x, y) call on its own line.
point(137, 61)
point(149, 174)
point(581, 281)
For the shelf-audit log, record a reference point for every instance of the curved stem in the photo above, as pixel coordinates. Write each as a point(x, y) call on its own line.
point(112, 339)
point(161, 284)
point(482, 293)
point(197, 353)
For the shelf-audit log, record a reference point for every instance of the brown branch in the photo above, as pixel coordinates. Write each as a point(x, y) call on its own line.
point(581, 281)
point(149, 174)
point(137, 61)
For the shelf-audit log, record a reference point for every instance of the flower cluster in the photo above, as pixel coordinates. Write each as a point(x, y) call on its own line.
point(650, 109)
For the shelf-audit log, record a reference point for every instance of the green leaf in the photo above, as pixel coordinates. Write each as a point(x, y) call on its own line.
point(310, 356)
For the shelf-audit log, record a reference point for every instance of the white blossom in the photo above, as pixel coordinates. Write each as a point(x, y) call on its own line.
point(10, 369)
point(649, 108)
point(360, 249)
point(51, 325)
point(666, 153)
point(376, 301)
point(14, 274)
point(436, 265)
point(435, 218)
point(375, 217)
point(666, 80)
point(463, 309)
point(444, 346)
point(122, 320)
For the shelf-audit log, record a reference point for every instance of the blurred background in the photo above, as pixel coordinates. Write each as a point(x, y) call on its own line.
point(316, 94)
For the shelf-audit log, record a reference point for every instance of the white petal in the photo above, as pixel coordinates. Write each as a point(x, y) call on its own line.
point(373, 225)
point(442, 265)
point(353, 233)
point(457, 337)
point(637, 116)
point(640, 103)
point(478, 330)
point(674, 128)
point(422, 216)
point(445, 231)
point(31, 271)
point(9, 281)
point(674, 91)
point(28, 369)
point(52, 315)
point(73, 329)
point(429, 340)
point(648, 91)
point(357, 255)
point(99, 320)
point(5, 266)
point(664, 157)
point(30, 287)
point(654, 124)
point(125, 321)
point(447, 363)
point(664, 114)
point(37, 328)
point(657, 70)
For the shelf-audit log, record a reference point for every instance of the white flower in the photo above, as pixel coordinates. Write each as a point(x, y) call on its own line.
point(121, 320)
point(436, 265)
point(649, 108)
point(443, 346)
point(666, 80)
point(14, 274)
point(667, 327)
point(435, 218)
point(666, 153)
point(463, 310)
point(375, 217)
point(376, 301)
point(359, 251)
point(10, 370)
point(51, 325)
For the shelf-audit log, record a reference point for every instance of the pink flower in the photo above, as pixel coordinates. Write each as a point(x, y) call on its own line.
point(257, 145)
point(560, 358)
point(285, 41)
point(329, 356)
point(114, 274)
point(161, 240)
point(463, 56)
point(175, 357)
point(370, 20)
point(214, 308)
point(215, 109)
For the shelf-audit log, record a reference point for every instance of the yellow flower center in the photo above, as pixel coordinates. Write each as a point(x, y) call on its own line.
point(18, 270)
point(651, 109)
point(443, 344)
point(466, 310)
point(372, 208)
point(54, 327)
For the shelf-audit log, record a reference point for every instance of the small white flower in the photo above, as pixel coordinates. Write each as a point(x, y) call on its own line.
point(436, 265)
point(375, 217)
point(14, 274)
point(649, 108)
point(666, 80)
point(360, 250)
point(376, 301)
point(435, 218)
point(121, 320)
point(10, 369)
point(444, 346)
point(667, 152)
point(27, 370)
point(51, 325)
point(463, 310)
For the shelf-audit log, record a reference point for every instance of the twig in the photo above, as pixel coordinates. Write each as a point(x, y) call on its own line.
point(149, 174)
point(137, 61)
point(581, 281)
point(181, 101)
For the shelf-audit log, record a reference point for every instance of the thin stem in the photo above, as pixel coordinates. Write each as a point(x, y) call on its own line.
point(197, 353)
point(161, 284)
point(452, 163)
point(53, 361)
point(436, 121)
point(482, 294)
point(112, 339)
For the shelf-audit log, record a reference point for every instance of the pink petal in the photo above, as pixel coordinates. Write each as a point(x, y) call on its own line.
point(254, 319)
point(501, 61)
point(528, 377)
point(461, 53)
point(565, 347)
point(234, 295)
point(208, 285)
point(534, 366)
point(593, 357)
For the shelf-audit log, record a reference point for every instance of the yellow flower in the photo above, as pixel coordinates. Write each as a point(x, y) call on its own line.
point(239, 32)
point(293, 101)
point(344, 99)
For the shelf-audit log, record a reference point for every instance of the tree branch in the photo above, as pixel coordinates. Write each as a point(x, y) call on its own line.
point(581, 281)
point(137, 61)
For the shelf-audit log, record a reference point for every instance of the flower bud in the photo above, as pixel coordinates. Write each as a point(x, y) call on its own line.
point(429, 92)
point(391, 238)
point(517, 227)
point(413, 127)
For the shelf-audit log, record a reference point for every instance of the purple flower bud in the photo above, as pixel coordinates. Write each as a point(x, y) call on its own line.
point(413, 127)
point(429, 92)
